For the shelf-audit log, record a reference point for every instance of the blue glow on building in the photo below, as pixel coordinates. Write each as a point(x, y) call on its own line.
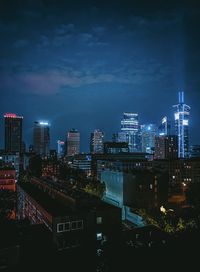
point(181, 116)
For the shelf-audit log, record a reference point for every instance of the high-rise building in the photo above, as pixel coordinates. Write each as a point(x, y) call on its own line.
point(96, 142)
point(73, 142)
point(60, 148)
point(130, 132)
point(195, 151)
point(164, 128)
point(41, 138)
point(166, 147)
point(13, 133)
point(181, 114)
point(148, 134)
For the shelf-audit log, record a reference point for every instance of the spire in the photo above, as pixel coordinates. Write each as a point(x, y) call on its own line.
point(181, 97)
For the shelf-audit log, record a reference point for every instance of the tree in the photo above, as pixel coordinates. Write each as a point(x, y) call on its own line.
point(95, 188)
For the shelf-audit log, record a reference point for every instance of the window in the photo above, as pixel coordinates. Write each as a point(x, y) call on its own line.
point(99, 236)
point(99, 220)
point(60, 227)
point(73, 225)
point(79, 224)
point(67, 226)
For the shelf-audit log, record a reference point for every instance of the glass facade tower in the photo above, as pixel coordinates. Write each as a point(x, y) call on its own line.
point(181, 115)
point(130, 131)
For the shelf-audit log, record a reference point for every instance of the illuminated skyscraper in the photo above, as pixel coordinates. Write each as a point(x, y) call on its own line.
point(130, 132)
point(96, 142)
point(13, 133)
point(41, 138)
point(60, 148)
point(148, 133)
point(164, 128)
point(181, 114)
point(73, 142)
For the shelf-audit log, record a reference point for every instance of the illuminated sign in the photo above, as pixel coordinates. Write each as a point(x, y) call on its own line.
point(44, 123)
point(185, 122)
point(11, 115)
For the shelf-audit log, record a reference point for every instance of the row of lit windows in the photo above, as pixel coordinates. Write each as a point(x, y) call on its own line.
point(67, 226)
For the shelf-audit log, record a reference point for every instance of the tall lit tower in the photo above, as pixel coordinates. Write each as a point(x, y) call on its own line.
point(41, 138)
point(13, 132)
point(73, 142)
point(181, 115)
point(148, 133)
point(130, 132)
point(96, 141)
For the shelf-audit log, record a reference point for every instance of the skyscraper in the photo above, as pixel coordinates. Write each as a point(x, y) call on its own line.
point(96, 142)
point(148, 134)
point(60, 148)
point(130, 132)
point(41, 138)
point(166, 147)
point(13, 133)
point(164, 128)
point(73, 142)
point(181, 114)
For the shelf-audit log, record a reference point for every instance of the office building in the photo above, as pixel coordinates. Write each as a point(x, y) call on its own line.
point(130, 132)
point(115, 147)
point(41, 138)
point(148, 134)
point(74, 218)
point(166, 147)
point(195, 151)
point(60, 148)
point(13, 133)
point(73, 142)
point(165, 127)
point(96, 141)
point(181, 115)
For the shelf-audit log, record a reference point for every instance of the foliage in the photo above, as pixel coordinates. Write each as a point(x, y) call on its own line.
point(95, 188)
point(168, 221)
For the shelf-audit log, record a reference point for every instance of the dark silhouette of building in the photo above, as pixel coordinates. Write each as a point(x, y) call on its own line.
point(166, 147)
point(116, 147)
point(41, 138)
point(13, 133)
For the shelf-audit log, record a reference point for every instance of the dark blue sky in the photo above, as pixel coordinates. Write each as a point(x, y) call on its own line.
point(81, 64)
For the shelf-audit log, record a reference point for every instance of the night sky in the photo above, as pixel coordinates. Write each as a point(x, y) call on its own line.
point(81, 64)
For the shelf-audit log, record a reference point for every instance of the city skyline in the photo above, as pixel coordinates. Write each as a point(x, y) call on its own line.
point(120, 138)
point(92, 61)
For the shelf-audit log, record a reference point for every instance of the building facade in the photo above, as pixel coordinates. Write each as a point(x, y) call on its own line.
point(13, 133)
point(181, 115)
point(96, 141)
point(41, 138)
point(166, 147)
point(73, 142)
point(130, 131)
point(148, 133)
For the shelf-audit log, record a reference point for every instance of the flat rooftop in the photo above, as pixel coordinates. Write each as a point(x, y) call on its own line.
point(84, 202)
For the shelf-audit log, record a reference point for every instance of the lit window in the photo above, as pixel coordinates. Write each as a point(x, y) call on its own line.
point(99, 236)
point(60, 227)
point(99, 220)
